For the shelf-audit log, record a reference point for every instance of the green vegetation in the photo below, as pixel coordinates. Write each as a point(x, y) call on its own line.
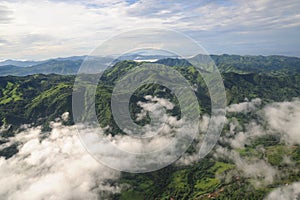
point(10, 93)
point(271, 65)
point(275, 154)
point(52, 66)
point(34, 99)
point(39, 99)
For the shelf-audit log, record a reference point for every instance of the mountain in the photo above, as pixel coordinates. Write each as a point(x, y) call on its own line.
point(20, 63)
point(48, 67)
point(250, 157)
point(142, 57)
point(174, 62)
point(243, 64)
point(71, 58)
point(32, 95)
point(63, 66)
point(257, 64)
point(274, 65)
point(29, 63)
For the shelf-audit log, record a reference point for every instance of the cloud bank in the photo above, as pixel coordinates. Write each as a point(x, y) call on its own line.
point(279, 119)
point(288, 192)
point(56, 167)
point(283, 118)
point(244, 107)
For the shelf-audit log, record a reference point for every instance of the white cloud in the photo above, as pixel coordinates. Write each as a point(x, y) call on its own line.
point(238, 138)
point(280, 118)
point(258, 170)
point(152, 147)
point(244, 107)
point(76, 27)
point(65, 116)
point(287, 192)
point(5, 14)
point(73, 28)
point(57, 167)
point(283, 118)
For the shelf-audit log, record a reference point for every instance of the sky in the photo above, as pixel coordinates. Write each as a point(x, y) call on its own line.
point(41, 29)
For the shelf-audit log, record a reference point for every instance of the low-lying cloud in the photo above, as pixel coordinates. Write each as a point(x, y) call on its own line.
point(56, 167)
point(147, 148)
point(279, 119)
point(244, 107)
point(283, 118)
point(287, 192)
point(257, 169)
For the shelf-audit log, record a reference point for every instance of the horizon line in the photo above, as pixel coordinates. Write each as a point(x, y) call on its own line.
point(223, 54)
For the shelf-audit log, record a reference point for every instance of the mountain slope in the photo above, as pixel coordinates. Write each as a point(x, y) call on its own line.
point(272, 65)
point(20, 63)
point(24, 99)
point(242, 166)
point(50, 67)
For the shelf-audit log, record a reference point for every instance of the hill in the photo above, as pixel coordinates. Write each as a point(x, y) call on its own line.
point(272, 65)
point(240, 163)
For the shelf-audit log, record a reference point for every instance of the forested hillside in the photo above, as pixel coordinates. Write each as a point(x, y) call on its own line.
point(226, 63)
point(241, 166)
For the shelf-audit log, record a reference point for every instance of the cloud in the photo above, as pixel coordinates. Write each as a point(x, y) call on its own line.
point(68, 28)
point(57, 167)
point(244, 107)
point(207, 15)
point(3, 42)
point(237, 138)
point(149, 148)
point(191, 158)
point(35, 39)
point(287, 192)
point(283, 118)
point(5, 15)
point(77, 27)
point(257, 169)
point(280, 119)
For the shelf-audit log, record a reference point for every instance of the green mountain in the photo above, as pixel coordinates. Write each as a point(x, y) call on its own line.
point(257, 64)
point(25, 99)
point(244, 64)
point(39, 99)
point(49, 67)
point(226, 63)
point(18, 63)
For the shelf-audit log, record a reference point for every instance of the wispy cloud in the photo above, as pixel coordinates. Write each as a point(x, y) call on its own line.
point(5, 15)
point(76, 27)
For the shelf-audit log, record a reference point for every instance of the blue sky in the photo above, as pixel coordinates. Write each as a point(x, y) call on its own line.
point(39, 29)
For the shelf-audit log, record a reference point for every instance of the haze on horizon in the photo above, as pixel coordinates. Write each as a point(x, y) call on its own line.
point(37, 30)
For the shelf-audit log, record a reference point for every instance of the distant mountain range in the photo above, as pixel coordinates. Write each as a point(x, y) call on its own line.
point(250, 136)
point(225, 63)
point(19, 63)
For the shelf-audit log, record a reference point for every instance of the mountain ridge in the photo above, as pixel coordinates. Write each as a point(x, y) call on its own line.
point(273, 64)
